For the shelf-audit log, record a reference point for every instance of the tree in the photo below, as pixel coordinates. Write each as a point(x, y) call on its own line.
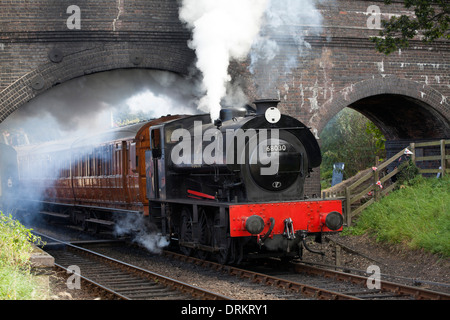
point(432, 19)
point(350, 138)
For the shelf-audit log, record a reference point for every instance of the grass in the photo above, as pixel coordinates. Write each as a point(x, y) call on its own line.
point(16, 280)
point(417, 215)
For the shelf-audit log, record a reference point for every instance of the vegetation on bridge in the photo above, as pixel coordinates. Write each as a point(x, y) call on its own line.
point(431, 19)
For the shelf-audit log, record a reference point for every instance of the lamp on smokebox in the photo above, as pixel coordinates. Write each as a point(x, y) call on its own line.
point(268, 107)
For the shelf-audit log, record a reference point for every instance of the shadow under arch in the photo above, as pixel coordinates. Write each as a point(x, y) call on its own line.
point(168, 57)
point(402, 109)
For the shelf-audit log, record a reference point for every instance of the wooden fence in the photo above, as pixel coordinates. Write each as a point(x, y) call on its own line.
point(442, 158)
point(379, 181)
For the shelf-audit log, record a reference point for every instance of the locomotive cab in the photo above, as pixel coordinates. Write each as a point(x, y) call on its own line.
point(154, 169)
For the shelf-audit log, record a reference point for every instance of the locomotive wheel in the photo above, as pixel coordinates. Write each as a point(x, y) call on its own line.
point(186, 231)
point(205, 232)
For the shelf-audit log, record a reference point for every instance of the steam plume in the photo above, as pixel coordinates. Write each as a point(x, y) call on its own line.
point(222, 30)
point(285, 22)
point(225, 30)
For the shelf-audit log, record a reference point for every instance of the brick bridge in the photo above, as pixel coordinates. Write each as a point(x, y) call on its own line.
point(407, 94)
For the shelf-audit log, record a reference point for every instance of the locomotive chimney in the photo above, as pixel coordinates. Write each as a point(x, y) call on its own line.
point(263, 104)
point(230, 113)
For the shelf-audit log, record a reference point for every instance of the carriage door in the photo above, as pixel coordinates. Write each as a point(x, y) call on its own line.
point(154, 164)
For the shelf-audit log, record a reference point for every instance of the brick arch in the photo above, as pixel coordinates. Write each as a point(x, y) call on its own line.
point(168, 57)
point(418, 104)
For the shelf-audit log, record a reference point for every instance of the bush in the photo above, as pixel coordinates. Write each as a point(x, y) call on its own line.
point(16, 281)
point(350, 138)
point(16, 284)
point(408, 171)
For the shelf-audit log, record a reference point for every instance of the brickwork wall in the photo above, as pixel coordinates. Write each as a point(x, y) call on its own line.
point(38, 51)
point(343, 67)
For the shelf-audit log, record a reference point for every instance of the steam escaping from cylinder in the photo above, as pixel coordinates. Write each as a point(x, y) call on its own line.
point(142, 232)
point(222, 30)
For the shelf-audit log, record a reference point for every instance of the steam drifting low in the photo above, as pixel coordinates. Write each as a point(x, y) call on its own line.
point(142, 231)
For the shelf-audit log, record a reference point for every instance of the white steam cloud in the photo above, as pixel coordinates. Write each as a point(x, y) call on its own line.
point(226, 30)
point(281, 42)
point(222, 30)
point(83, 107)
point(142, 231)
point(89, 104)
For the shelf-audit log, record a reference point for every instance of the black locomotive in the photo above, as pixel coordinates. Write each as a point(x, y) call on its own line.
point(235, 187)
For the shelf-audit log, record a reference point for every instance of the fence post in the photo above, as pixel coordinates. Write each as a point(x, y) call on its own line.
point(376, 178)
point(348, 207)
point(443, 157)
point(413, 150)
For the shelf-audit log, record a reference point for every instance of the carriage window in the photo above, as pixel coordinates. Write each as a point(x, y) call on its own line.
point(91, 170)
point(98, 162)
point(85, 165)
point(105, 160)
point(156, 143)
point(156, 139)
point(170, 130)
point(79, 166)
point(109, 160)
point(133, 157)
point(75, 165)
point(118, 159)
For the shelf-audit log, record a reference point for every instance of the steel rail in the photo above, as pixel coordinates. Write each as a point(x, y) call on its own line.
point(398, 290)
point(414, 281)
point(179, 286)
point(94, 283)
point(304, 289)
point(385, 286)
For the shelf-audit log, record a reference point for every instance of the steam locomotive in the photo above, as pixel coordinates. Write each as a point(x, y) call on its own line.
point(232, 189)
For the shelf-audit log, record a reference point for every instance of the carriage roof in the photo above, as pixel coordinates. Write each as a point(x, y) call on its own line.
point(95, 139)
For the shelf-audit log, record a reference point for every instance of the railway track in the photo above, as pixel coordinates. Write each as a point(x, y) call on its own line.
point(300, 282)
point(386, 290)
point(122, 280)
point(322, 284)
